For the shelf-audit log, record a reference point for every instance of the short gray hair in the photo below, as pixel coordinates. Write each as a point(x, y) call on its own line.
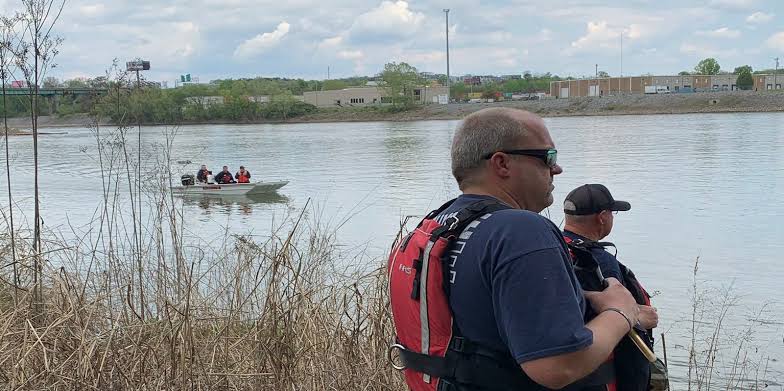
point(581, 220)
point(479, 134)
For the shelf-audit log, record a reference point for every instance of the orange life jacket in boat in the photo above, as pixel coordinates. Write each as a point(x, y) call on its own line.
point(243, 177)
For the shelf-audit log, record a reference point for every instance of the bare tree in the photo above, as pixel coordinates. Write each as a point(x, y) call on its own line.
point(8, 40)
point(35, 57)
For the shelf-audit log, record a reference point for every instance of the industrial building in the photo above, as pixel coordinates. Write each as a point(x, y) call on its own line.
point(662, 84)
point(371, 95)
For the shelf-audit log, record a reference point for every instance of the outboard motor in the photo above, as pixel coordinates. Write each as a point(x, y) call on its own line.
point(188, 180)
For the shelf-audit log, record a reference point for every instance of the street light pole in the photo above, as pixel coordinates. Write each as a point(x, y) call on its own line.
point(136, 66)
point(621, 53)
point(448, 92)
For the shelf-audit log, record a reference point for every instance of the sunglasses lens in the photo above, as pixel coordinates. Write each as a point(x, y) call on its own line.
point(552, 157)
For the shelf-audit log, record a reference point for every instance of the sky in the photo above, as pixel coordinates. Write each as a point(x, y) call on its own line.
point(213, 39)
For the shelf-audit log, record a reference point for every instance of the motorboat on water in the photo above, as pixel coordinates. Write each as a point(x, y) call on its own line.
point(190, 187)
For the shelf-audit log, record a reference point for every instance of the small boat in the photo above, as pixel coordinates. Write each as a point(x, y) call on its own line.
point(189, 187)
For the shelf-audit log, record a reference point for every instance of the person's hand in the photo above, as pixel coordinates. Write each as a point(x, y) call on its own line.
point(648, 318)
point(614, 296)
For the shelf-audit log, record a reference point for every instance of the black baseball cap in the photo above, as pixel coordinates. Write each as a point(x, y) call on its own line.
point(591, 199)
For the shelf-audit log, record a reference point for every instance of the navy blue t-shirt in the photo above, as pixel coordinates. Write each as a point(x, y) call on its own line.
point(512, 285)
point(607, 262)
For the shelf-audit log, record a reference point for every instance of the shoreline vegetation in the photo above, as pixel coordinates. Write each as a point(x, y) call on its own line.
point(703, 102)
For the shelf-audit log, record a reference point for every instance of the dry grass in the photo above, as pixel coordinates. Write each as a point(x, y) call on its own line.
point(724, 357)
point(279, 314)
point(262, 316)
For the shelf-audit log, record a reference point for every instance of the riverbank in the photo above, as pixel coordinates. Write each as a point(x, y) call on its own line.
point(707, 102)
point(713, 102)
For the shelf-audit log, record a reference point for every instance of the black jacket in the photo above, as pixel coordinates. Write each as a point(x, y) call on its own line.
point(201, 176)
point(224, 177)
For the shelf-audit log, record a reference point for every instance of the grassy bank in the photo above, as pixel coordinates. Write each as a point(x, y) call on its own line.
point(710, 102)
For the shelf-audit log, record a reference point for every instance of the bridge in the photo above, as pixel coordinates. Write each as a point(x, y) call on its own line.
point(56, 91)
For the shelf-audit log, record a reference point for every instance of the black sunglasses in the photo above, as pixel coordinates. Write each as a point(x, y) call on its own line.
point(548, 156)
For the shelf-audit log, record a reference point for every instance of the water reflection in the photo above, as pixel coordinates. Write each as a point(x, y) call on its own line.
point(229, 204)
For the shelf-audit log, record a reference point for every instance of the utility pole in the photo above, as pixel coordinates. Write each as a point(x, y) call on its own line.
point(596, 74)
point(448, 92)
point(136, 66)
point(327, 72)
point(621, 53)
point(776, 73)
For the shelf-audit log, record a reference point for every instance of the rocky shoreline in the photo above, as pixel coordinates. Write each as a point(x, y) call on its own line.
point(706, 102)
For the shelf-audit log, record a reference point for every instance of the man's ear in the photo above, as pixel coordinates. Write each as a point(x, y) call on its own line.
point(500, 163)
point(600, 218)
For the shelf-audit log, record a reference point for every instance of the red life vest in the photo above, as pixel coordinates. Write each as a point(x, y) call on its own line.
point(243, 178)
point(433, 353)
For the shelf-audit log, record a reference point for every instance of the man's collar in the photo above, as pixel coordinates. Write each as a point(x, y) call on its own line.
point(575, 235)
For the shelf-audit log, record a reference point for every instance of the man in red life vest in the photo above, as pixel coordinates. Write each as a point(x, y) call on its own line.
point(517, 306)
point(243, 175)
point(224, 177)
point(203, 175)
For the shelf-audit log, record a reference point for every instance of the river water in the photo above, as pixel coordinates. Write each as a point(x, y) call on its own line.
point(702, 186)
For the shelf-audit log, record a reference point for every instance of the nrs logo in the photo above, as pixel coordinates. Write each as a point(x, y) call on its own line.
point(405, 269)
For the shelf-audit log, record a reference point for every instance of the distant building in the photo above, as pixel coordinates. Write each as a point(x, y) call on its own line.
point(368, 96)
point(472, 80)
point(489, 79)
point(656, 84)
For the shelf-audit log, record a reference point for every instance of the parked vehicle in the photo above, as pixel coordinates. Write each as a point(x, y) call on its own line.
point(657, 90)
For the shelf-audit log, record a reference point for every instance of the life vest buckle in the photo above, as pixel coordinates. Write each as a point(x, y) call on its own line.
point(454, 222)
point(391, 358)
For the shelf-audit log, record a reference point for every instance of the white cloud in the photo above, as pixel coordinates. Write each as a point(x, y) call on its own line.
point(262, 42)
point(703, 51)
point(91, 10)
point(722, 32)
point(387, 21)
point(776, 41)
point(597, 32)
point(601, 35)
point(330, 43)
point(759, 18)
point(350, 54)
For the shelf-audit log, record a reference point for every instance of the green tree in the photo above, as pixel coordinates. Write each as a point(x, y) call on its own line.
point(458, 91)
point(334, 85)
point(51, 82)
point(684, 73)
point(75, 83)
point(743, 68)
point(399, 81)
point(745, 80)
point(442, 79)
point(708, 66)
point(603, 74)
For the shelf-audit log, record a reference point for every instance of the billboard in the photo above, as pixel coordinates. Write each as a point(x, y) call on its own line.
point(137, 65)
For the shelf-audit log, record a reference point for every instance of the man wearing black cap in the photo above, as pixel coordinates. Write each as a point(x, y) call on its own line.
point(589, 215)
point(590, 211)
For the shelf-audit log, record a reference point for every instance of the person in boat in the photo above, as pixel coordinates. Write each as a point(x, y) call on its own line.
point(589, 216)
point(224, 177)
point(202, 176)
point(243, 175)
point(514, 297)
